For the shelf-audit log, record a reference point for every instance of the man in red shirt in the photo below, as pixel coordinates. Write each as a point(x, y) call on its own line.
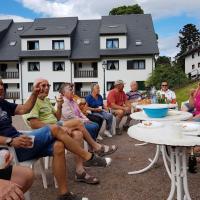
point(117, 101)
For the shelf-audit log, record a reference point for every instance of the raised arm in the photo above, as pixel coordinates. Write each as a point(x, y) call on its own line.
point(27, 107)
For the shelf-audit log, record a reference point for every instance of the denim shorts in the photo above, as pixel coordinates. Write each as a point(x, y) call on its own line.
point(6, 173)
point(43, 145)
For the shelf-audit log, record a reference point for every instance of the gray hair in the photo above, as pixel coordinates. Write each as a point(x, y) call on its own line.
point(93, 85)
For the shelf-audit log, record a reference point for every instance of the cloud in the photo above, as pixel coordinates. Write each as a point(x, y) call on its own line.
point(167, 46)
point(15, 18)
point(95, 8)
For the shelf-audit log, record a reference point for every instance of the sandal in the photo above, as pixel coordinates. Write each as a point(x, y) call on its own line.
point(83, 178)
point(106, 150)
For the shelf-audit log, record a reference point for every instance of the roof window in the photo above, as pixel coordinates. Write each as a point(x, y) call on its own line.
point(138, 42)
point(20, 28)
point(40, 28)
point(12, 43)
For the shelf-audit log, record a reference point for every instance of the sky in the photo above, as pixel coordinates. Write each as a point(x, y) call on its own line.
point(168, 16)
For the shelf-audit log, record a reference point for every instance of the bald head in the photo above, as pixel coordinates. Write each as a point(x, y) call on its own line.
point(40, 80)
point(134, 86)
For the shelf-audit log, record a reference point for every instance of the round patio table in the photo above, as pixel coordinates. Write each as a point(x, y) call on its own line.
point(178, 143)
point(172, 117)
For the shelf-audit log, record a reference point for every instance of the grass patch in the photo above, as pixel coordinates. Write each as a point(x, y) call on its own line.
point(182, 94)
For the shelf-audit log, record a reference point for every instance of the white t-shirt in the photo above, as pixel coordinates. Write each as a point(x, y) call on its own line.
point(169, 94)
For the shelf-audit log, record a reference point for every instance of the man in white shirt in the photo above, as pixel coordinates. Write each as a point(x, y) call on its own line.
point(169, 94)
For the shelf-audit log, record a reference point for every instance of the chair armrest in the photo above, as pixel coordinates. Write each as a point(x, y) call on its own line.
point(12, 151)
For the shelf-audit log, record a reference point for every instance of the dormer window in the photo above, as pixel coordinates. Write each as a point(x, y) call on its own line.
point(112, 43)
point(58, 44)
point(33, 45)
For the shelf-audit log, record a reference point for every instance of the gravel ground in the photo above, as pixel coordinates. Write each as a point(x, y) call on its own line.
point(116, 184)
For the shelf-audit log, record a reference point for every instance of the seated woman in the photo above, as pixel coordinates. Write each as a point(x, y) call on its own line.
point(70, 109)
point(95, 104)
point(194, 102)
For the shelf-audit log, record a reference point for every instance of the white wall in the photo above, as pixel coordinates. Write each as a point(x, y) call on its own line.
point(46, 71)
point(189, 61)
point(122, 41)
point(126, 75)
point(46, 43)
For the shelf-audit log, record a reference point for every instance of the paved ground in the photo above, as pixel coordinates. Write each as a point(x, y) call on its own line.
point(116, 184)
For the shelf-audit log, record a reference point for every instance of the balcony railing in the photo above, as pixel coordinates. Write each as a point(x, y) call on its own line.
point(12, 95)
point(83, 93)
point(86, 74)
point(9, 75)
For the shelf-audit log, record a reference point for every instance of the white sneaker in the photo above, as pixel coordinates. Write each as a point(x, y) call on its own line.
point(99, 137)
point(107, 133)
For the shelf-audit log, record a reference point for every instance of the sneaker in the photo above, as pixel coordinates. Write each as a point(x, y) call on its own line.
point(97, 161)
point(71, 196)
point(107, 133)
point(99, 137)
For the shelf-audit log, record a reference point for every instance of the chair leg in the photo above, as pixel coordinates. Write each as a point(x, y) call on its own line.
point(55, 182)
point(46, 162)
point(42, 171)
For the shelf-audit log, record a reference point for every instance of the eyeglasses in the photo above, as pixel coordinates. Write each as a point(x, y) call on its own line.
point(164, 85)
point(46, 85)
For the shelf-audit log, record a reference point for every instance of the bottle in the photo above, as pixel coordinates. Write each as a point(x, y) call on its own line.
point(153, 95)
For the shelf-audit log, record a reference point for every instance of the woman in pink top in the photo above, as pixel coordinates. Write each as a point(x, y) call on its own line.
point(194, 101)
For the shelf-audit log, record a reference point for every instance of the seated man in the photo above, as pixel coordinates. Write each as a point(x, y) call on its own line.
point(50, 140)
point(117, 101)
point(43, 113)
point(134, 95)
point(14, 180)
point(165, 92)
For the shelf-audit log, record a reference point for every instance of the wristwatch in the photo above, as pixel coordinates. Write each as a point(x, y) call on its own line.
point(9, 141)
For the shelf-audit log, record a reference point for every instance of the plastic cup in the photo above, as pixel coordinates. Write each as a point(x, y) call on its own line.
point(32, 140)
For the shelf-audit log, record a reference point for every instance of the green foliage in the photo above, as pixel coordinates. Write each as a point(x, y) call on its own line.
point(188, 35)
point(182, 94)
point(127, 10)
point(163, 60)
point(174, 75)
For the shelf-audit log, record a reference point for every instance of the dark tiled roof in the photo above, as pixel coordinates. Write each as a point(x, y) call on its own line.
point(45, 53)
point(11, 53)
point(4, 25)
point(139, 28)
point(51, 27)
point(113, 29)
point(86, 40)
point(189, 52)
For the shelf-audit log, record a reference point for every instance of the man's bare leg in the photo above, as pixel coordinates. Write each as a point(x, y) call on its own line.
point(59, 166)
point(22, 176)
point(77, 124)
point(69, 142)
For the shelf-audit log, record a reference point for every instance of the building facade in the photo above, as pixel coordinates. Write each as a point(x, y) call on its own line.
point(79, 51)
point(192, 60)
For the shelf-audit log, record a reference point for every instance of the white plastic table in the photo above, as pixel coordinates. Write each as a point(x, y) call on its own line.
point(171, 117)
point(167, 136)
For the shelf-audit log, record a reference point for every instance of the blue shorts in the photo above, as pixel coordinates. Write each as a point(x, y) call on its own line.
point(43, 145)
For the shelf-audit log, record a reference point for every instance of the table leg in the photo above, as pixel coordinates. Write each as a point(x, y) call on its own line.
point(165, 158)
point(155, 159)
point(179, 174)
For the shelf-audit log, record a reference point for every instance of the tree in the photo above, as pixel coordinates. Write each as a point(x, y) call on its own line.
point(126, 10)
point(174, 75)
point(163, 60)
point(188, 35)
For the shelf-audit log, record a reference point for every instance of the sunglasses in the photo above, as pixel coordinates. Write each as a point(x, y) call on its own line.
point(46, 85)
point(164, 85)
